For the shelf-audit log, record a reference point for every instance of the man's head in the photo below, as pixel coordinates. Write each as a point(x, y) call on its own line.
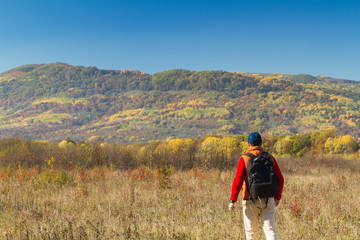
point(254, 139)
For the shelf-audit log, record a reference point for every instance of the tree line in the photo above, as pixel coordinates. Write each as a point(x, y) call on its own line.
point(213, 151)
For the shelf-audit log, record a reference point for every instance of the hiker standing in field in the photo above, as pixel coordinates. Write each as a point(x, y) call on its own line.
point(261, 181)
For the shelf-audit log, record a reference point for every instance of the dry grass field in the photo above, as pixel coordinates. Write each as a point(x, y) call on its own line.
point(320, 201)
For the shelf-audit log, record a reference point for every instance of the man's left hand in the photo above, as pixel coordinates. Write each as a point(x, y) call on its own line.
point(231, 207)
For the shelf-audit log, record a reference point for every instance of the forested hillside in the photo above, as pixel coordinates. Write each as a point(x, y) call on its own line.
point(59, 101)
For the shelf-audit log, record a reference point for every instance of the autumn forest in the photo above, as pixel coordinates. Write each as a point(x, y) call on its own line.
point(62, 102)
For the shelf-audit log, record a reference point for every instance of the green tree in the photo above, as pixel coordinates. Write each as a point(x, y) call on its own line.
point(301, 144)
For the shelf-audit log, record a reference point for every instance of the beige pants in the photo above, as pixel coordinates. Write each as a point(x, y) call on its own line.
point(252, 215)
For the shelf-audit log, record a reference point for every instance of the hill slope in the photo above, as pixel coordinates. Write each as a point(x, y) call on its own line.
point(59, 101)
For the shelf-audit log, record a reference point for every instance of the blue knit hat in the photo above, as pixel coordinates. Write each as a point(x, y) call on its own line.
point(255, 139)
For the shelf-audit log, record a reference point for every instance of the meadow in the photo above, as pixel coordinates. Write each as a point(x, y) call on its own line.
point(320, 201)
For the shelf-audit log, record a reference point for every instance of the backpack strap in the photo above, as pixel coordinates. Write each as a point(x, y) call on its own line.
point(266, 203)
point(265, 154)
point(250, 155)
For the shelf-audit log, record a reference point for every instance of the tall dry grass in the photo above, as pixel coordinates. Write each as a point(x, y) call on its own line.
point(320, 201)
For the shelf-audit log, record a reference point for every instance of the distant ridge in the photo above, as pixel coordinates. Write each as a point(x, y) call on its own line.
point(59, 101)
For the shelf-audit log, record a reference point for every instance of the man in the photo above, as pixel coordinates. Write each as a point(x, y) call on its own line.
point(262, 209)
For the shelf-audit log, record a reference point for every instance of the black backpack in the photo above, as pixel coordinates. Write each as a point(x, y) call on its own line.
point(262, 180)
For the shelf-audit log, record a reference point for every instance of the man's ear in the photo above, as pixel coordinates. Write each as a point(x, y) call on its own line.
point(249, 144)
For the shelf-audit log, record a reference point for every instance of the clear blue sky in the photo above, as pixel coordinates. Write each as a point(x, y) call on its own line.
point(295, 36)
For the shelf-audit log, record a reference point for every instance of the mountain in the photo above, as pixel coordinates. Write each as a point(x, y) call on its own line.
point(60, 101)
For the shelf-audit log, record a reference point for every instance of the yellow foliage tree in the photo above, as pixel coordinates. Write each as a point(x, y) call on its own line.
point(349, 144)
point(283, 146)
point(345, 144)
point(244, 147)
point(229, 146)
point(209, 150)
point(65, 144)
point(176, 148)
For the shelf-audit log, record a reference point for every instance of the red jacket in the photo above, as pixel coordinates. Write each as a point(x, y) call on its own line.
point(241, 176)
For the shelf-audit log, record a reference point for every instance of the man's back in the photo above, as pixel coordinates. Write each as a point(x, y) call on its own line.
point(257, 207)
